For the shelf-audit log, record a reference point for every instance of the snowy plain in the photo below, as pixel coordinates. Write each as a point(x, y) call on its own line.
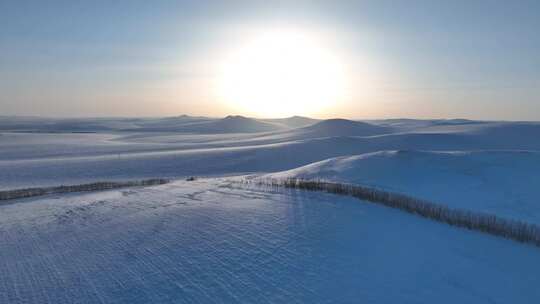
point(210, 241)
point(214, 241)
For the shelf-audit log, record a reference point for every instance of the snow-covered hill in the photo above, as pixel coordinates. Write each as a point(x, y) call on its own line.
point(343, 127)
point(229, 124)
point(293, 121)
point(506, 183)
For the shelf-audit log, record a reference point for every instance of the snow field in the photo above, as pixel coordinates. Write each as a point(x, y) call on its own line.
point(210, 241)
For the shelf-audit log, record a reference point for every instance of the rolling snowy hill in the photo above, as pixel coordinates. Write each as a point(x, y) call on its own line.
point(37, 159)
point(505, 183)
point(293, 121)
point(229, 124)
point(343, 127)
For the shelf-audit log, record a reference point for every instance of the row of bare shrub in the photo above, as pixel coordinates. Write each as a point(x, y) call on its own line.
point(30, 192)
point(492, 224)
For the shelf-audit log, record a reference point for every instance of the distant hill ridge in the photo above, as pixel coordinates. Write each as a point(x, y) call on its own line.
point(345, 127)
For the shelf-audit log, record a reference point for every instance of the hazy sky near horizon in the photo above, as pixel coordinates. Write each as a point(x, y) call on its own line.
point(418, 59)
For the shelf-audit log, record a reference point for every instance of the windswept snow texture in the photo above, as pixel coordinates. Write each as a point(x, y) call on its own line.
point(505, 183)
point(208, 241)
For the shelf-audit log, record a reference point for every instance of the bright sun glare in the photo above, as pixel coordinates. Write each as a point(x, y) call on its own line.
point(281, 73)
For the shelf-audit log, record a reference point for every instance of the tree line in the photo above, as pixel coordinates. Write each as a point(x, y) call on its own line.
point(97, 186)
point(487, 223)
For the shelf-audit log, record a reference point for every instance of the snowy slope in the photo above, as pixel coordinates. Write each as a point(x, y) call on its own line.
point(500, 182)
point(210, 242)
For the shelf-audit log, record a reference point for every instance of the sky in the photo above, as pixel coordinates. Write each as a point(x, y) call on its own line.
point(399, 59)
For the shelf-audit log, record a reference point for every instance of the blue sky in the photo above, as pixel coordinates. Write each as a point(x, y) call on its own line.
point(433, 59)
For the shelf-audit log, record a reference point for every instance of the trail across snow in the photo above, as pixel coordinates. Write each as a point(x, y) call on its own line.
point(210, 241)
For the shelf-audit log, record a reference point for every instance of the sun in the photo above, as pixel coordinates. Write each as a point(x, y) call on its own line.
point(281, 73)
